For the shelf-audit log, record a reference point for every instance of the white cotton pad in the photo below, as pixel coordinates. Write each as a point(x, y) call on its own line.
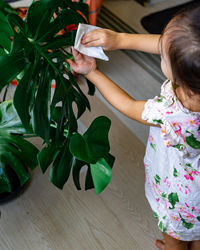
point(96, 52)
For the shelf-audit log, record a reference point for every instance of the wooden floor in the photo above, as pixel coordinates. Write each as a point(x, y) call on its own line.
point(44, 217)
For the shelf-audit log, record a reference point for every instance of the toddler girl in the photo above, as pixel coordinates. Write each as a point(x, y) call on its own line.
point(172, 160)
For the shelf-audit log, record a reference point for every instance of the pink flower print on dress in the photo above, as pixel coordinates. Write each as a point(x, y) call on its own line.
point(167, 182)
point(179, 187)
point(174, 106)
point(151, 138)
point(173, 235)
point(185, 189)
point(175, 218)
point(189, 176)
point(195, 172)
point(151, 141)
point(188, 215)
point(181, 209)
point(163, 131)
point(193, 122)
point(177, 128)
point(193, 209)
point(168, 143)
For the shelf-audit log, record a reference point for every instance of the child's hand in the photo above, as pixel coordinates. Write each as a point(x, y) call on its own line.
point(82, 64)
point(105, 38)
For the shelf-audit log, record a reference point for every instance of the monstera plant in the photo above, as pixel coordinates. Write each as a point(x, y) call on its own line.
point(16, 154)
point(33, 50)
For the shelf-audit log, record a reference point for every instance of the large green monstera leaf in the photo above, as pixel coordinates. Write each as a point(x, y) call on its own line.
point(15, 151)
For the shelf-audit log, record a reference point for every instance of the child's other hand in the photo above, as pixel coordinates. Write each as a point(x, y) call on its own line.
point(105, 38)
point(82, 64)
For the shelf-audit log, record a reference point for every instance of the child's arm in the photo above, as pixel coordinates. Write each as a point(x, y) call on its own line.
point(111, 40)
point(117, 97)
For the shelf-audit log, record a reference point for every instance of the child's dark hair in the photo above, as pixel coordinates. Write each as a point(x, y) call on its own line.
point(183, 46)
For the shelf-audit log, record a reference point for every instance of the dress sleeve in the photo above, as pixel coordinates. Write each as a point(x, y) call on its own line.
point(155, 109)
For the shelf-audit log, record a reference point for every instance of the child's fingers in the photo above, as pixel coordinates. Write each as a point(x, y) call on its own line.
point(76, 54)
point(86, 40)
point(95, 43)
point(72, 64)
point(93, 37)
point(93, 34)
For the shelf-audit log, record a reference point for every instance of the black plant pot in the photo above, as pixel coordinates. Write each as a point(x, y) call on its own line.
point(17, 188)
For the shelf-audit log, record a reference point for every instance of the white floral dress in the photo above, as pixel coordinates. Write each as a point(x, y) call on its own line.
point(172, 165)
